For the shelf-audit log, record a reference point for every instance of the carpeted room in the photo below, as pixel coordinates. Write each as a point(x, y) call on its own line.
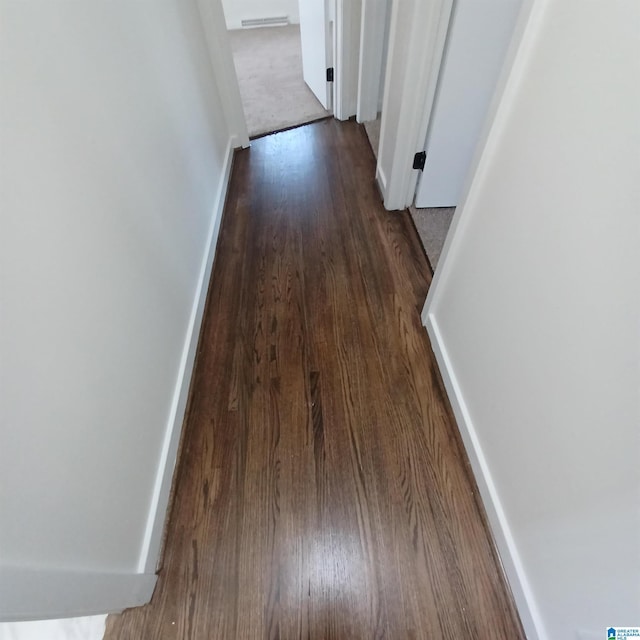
point(265, 39)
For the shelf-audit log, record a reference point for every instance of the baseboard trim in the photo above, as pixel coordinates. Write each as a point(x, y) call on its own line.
point(162, 489)
point(505, 543)
point(381, 181)
point(35, 594)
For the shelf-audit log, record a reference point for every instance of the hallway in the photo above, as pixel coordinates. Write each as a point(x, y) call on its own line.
point(323, 491)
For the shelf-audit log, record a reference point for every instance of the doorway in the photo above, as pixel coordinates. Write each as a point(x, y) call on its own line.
point(374, 45)
point(266, 45)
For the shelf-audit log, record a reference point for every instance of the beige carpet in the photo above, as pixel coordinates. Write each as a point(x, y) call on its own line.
point(269, 66)
point(432, 224)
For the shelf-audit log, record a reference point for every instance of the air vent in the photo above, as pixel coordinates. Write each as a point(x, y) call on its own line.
point(278, 21)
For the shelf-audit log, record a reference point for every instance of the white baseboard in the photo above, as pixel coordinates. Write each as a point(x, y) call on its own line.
point(514, 570)
point(382, 181)
point(36, 594)
point(166, 466)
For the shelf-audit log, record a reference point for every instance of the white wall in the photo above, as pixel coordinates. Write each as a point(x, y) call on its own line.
point(237, 10)
point(114, 161)
point(535, 317)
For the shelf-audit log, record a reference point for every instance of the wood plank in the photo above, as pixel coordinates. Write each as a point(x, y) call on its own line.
point(323, 490)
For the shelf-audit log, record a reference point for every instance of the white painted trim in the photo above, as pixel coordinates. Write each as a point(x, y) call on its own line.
point(331, 9)
point(372, 33)
point(417, 34)
point(381, 179)
point(347, 25)
point(224, 70)
point(514, 570)
point(50, 592)
point(160, 499)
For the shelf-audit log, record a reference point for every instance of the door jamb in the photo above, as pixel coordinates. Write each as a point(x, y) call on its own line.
point(347, 57)
point(372, 36)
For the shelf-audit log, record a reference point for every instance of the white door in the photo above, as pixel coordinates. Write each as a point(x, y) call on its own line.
point(479, 36)
point(315, 34)
point(417, 36)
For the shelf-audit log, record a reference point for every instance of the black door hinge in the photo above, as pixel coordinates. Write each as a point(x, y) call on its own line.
point(419, 159)
point(330, 74)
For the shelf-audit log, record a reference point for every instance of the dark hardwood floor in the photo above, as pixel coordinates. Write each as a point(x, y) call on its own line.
point(323, 492)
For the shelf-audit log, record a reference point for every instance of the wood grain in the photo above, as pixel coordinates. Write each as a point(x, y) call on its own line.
point(323, 492)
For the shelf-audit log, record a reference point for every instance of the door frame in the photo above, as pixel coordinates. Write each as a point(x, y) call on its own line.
point(418, 32)
point(344, 22)
point(348, 15)
point(371, 64)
